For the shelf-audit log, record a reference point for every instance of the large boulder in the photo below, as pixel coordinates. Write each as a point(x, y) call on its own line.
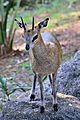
point(69, 109)
point(68, 77)
point(68, 82)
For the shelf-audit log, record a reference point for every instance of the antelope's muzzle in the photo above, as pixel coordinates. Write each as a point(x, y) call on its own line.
point(27, 47)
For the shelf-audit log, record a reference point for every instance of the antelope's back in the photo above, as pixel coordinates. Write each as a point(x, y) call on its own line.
point(51, 40)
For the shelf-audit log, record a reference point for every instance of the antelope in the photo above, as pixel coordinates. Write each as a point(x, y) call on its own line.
point(45, 56)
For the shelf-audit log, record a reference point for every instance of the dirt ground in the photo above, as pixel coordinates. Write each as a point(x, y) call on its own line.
point(11, 65)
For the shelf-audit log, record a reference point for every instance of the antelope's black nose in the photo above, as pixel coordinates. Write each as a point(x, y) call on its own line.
point(27, 47)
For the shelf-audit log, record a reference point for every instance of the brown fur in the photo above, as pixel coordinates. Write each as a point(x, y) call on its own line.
point(47, 56)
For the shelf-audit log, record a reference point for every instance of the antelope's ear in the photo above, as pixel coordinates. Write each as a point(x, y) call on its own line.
point(21, 24)
point(43, 23)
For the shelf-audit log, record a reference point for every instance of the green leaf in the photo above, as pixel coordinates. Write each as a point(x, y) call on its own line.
point(3, 82)
point(12, 39)
point(44, 78)
point(17, 88)
point(2, 22)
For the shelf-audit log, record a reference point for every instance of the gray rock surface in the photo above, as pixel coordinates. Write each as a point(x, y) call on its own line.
point(68, 78)
point(68, 82)
point(69, 109)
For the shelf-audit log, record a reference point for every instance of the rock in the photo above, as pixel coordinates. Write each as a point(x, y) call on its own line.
point(68, 82)
point(0, 116)
point(68, 77)
point(68, 109)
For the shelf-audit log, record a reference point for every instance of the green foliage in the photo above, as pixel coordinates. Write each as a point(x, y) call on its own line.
point(5, 8)
point(3, 84)
point(5, 89)
point(25, 65)
point(55, 10)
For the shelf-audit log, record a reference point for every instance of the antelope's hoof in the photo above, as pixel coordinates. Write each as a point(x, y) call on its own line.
point(55, 106)
point(32, 97)
point(42, 109)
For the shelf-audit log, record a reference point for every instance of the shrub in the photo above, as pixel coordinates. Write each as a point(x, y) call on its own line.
point(6, 42)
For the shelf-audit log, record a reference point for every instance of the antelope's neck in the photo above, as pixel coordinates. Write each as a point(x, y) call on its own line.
point(39, 47)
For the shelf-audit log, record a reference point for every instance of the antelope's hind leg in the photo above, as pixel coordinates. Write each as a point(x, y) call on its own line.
point(32, 96)
point(50, 79)
point(42, 107)
point(54, 93)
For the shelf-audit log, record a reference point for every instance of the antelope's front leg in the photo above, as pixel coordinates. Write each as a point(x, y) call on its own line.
point(42, 107)
point(54, 93)
point(32, 96)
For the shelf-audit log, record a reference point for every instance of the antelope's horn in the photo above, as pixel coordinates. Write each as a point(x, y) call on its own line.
point(33, 23)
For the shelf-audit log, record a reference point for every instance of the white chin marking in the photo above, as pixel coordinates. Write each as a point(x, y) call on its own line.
point(31, 46)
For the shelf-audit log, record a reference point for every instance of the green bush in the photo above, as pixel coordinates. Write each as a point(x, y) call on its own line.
point(5, 7)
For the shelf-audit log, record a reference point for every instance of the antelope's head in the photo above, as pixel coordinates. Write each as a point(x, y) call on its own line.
point(30, 35)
